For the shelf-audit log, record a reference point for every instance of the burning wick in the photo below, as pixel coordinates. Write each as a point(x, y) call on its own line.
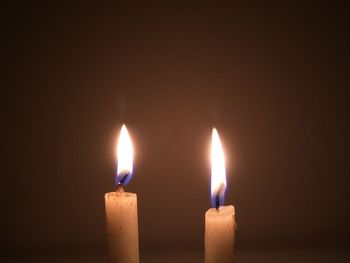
point(122, 179)
point(120, 188)
point(219, 194)
point(217, 202)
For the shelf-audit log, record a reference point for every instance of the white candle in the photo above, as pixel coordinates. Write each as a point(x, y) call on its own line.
point(121, 209)
point(219, 221)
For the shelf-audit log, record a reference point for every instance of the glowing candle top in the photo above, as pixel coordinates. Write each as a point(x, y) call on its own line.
point(125, 155)
point(218, 173)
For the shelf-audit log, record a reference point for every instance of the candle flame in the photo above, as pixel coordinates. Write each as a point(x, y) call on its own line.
point(218, 173)
point(125, 156)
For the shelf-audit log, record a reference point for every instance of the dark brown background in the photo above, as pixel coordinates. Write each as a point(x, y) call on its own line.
point(273, 78)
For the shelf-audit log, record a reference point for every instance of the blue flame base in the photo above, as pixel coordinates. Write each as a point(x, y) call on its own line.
point(122, 179)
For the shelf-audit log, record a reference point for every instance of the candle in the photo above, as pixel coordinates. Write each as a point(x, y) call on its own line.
point(121, 208)
point(220, 220)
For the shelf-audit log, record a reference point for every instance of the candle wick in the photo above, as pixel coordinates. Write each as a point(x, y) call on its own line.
point(120, 188)
point(217, 202)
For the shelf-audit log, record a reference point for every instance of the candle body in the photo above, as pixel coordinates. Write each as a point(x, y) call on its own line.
point(122, 227)
point(220, 235)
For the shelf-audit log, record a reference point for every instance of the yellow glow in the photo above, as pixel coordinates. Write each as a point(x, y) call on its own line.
point(125, 153)
point(218, 173)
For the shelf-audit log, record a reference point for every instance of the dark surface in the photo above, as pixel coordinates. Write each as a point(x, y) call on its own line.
point(273, 79)
point(244, 256)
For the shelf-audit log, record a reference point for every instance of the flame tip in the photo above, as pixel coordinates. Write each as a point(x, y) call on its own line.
point(215, 132)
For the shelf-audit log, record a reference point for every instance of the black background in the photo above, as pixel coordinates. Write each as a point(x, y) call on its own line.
point(272, 77)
